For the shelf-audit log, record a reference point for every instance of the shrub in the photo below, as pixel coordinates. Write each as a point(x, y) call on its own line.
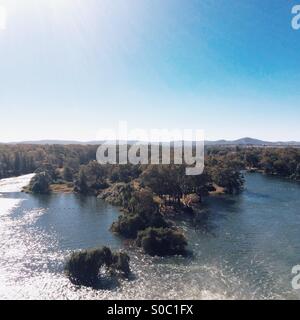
point(162, 241)
point(83, 267)
point(68, 174)
point(128, 225)
point(120, 263)
point(40, 183)
point(142, 202)
point(81, 185)
point(50, 169)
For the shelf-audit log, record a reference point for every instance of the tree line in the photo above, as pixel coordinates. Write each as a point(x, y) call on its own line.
point(21, 159)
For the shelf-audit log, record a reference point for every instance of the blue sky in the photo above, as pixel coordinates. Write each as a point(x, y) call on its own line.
point(71, 67)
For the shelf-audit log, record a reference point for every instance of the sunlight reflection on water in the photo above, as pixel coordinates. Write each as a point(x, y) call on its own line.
point(31, 264)
point(34, 247)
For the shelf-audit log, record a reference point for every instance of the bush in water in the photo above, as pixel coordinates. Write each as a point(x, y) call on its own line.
point(162, 241)
point(83, 266)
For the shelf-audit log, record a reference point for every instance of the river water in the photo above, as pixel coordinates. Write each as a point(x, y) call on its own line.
point(244, 246)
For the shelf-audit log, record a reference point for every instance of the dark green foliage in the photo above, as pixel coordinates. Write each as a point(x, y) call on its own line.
point(165, 180)
point(229, 178)
point(91, 178)
point(98, 176)
point(119, 194)
point(25, 158)
point(18, 164)
point(124, 173)
point(170, 182)
point(296, 175)
point(141, 202)
point(22, 159)
point(162, 241)
point(40, 183)
point(83, 267)
point(50, 169)
point(224, 164)
point(252, 158)
point(128, 225)
point(68, 174)
point(131, 200)
point(282, 163)
point(142, 212)
point(120, 264)
point(81, 185)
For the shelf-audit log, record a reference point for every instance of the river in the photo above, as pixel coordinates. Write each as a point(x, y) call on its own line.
point(244, 246)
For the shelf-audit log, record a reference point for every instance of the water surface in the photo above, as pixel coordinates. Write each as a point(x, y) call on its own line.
point(244, 246)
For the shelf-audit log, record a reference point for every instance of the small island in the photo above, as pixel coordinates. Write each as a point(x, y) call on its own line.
point(83, 267)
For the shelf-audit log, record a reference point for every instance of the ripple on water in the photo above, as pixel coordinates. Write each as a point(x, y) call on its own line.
point(32, 259)
point(31, 267)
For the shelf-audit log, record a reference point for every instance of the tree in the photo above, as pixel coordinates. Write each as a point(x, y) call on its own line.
point(129, 224)
point(142, 202)
point(142, 212)
point(83, 267)
point(198, 184)
point(17, 164)
point(50, 169)
point(81, 185)
point(155, 178)
point(162, 241)
point(124, 173)
point(252, 159)
point(281, 168)
point(297, 172)
point(229, 178)
point(40, 183)
point(91, 178)
point(68, 174)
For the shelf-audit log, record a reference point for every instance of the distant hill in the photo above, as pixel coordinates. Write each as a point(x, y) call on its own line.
point(60, 142)
point(239, 142)
point(251, 142)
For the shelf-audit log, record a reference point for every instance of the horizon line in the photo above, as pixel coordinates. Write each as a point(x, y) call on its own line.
point(66, 141)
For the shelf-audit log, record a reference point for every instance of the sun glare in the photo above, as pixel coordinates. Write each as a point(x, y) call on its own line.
point(3, 16)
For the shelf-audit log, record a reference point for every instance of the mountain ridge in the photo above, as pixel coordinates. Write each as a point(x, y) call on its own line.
point(246, 141)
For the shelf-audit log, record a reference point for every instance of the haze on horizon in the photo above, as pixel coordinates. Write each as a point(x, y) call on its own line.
point(71, 67)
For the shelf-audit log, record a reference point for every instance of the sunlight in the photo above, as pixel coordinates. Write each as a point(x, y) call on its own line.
point(35, 4)
point(19, 11)
point(57, 4)
point(3, 17)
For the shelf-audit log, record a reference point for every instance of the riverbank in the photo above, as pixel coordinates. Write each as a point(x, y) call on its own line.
point(62, 188)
